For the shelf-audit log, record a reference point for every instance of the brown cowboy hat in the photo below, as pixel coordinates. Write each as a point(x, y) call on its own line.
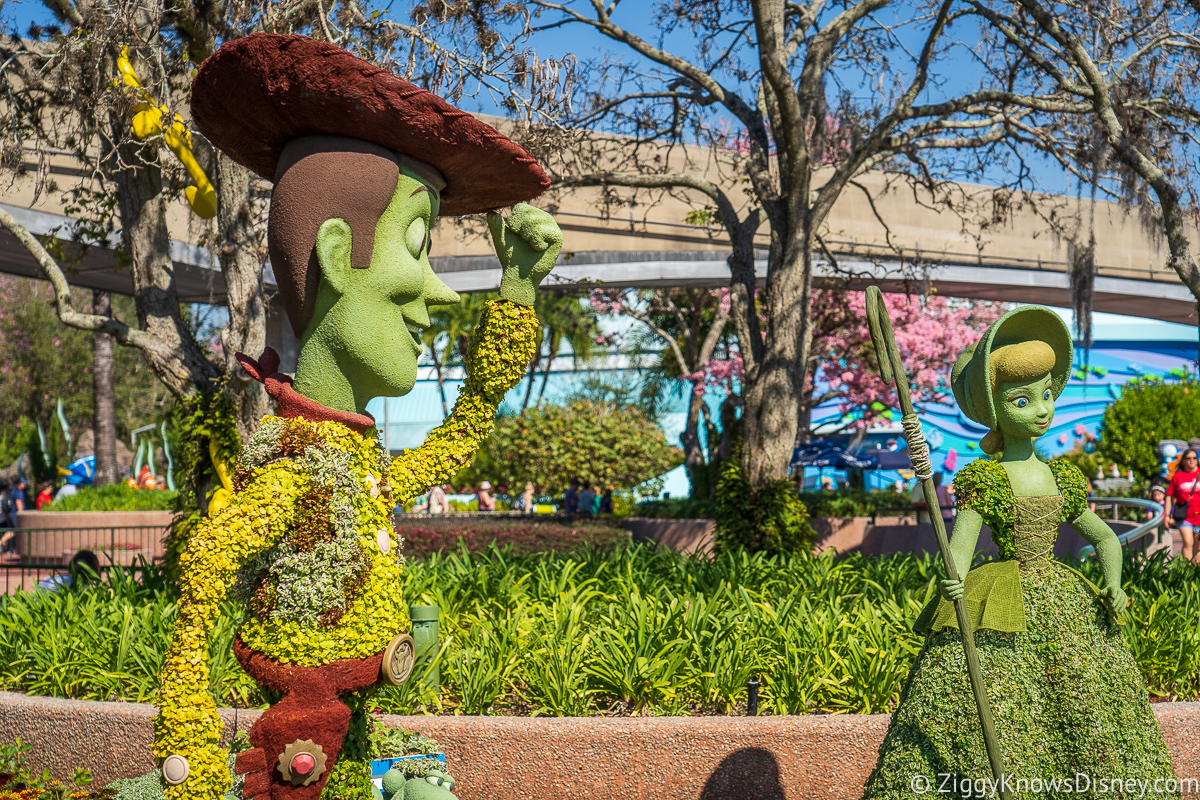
point(255, 94)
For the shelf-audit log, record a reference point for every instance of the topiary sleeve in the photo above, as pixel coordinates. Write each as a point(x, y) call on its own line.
point(503, 344)
point(1072, 486)
point(187, 723)
point(982, 486)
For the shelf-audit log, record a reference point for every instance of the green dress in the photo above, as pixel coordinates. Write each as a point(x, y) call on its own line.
point(1066, 694)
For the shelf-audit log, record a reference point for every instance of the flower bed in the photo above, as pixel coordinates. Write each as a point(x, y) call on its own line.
point(424, 536)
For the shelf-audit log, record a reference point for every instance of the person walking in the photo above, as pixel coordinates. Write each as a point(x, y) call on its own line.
point(1156, 494)
point(606, 502)
point(587, 501)
point(437, 501)
point(571, 498)
point(484, 496)
point(19, 498)
point(1183, 502)
point(8, 519)
point(45, 496)
point(525, 503)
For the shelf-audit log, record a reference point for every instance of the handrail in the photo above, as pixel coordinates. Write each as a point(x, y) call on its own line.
point(1137, 533)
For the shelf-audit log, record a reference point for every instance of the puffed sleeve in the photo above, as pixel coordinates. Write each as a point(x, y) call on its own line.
point(1072, 486)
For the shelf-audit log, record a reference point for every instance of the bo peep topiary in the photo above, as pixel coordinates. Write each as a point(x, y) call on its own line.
point(362, 163)
point(1066, 694)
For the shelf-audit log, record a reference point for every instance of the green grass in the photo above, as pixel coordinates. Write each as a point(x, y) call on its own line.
point(625, 630)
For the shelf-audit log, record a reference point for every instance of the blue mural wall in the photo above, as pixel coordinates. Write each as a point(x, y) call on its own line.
point(1123, 348)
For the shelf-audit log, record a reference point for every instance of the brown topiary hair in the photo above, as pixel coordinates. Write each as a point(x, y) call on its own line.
point(322, 178)
point(1021, 361)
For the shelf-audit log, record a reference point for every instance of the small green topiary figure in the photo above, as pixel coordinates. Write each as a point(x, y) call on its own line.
point(1067, 696)
point(435, 784)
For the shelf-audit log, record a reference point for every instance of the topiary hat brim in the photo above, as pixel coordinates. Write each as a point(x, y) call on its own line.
point(256, 94)
point(971, 378)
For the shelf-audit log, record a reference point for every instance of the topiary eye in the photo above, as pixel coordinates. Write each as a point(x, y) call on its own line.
point(415, 238)
point(1022, 402)
point(1046, 396)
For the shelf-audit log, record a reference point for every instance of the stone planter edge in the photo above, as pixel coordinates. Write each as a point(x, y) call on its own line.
point(667, 758)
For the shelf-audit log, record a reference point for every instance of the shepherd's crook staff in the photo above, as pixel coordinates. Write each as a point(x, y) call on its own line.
point(890, 365)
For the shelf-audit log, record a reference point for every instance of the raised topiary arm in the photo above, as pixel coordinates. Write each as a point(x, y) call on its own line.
point(500, 350)
point(527, 245)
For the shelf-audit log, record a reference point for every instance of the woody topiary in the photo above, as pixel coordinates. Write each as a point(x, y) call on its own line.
point(362, 163)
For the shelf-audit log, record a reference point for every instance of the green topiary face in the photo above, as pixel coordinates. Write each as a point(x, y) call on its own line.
point(363, 340)
point(1024, 409)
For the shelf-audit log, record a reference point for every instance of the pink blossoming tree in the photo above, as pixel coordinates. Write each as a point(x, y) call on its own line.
point(930, 332)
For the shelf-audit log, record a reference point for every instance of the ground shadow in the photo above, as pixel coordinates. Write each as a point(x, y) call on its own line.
point(748, 774)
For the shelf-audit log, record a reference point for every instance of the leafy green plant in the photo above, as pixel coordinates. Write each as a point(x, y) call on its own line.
point(1147, 411)
point(588, 440)
point(675, 508)
point(18, 783)
point(614, 630)
point(853, 502)
point(388, 742)
point(769, 518)
point(116, 497)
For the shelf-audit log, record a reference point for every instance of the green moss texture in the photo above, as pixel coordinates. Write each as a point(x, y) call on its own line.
point(1067, 697)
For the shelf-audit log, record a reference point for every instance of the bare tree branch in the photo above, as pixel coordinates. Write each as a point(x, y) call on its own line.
point(62, 291)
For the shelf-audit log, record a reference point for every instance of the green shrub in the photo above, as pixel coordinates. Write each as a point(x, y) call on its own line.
point(854, 502)
point(115, 497)
point(1148, 411)
point(768, 518)
point(675, 508)
point(587, 440)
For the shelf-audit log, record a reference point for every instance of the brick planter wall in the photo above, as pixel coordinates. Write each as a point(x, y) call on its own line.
point(54, 536)
point(664, 758)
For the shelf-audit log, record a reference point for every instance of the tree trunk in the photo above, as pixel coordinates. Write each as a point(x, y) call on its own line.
point(546, 371)
point(693, 454)
point(776, 383)
point(240, 265)
point(437, 371)
point(104, 423)
point(533, 365)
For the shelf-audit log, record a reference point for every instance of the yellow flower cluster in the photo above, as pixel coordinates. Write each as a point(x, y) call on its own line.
point(264, 511)
point(506, 338)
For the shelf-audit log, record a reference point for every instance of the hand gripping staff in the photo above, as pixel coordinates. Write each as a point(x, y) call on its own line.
point(888, 356)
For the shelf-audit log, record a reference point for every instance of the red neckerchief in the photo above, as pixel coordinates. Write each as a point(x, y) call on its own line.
point(292, 404)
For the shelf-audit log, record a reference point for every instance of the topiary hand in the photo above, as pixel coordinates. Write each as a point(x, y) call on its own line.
point(1115, 600)
point(527, 244)
point(950, 590)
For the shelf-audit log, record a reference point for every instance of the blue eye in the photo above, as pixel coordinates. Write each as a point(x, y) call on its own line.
point(1022, 402)
point(1046, 396)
